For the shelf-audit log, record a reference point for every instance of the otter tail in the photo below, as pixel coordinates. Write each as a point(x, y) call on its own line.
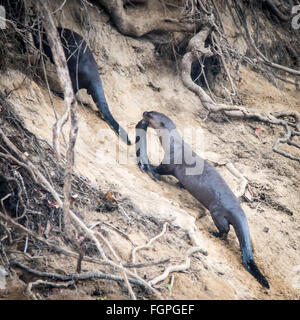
point(253, 269)
point(97, 93)
point(242, 231)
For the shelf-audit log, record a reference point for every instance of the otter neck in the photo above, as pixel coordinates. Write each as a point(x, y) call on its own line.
point(172, 144)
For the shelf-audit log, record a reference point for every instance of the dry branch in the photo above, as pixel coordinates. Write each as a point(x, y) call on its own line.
point(8, 234)
point(176, 268)
point(148, 245)
point(146, 264)
point(70, 105)
point(251, 42)
point(58, 249)
point(114, 228)
point(219, 52)
point(68, 253)
point(237, 174)
point(75, 276)
point(62, 71)
point(264, 59)
point(118, 260)
point(39, 283)
point(52, 246)
point(2, 202)
point(16, 161)
point(73, 216)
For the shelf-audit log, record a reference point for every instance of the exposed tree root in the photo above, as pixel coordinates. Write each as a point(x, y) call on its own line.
point(147, 264)
point(70, 107)
point(176, 268)
point(148, 245)
point(237, 174)
point(75, 276)
point(197, 51)
point(42, 283)
point(197, 17)
point(275, 10)
point(137, 24)
point(90, 234)
point(130, 23)
point(71, 278)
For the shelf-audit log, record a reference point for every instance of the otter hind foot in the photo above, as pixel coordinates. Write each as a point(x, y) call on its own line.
point(220, 235)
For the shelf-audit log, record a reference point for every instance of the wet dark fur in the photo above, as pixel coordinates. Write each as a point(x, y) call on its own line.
point(209, 188)
point(83, 71)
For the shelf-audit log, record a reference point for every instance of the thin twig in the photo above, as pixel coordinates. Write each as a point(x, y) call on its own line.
point(219, 52)
point(176, 268)
point(20, 163)
point(237, 174)
point(2, 202)
point(73, 216)
point(8, 232)
point(60, 7)
point(146, 264)
point(148, 245)
point(118, 260)
point(114, 228)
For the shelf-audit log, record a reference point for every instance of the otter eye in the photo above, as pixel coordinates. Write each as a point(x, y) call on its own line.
point(162, 124)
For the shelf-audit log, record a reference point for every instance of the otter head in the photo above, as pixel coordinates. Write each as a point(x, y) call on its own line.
point(167, 133)
point(158, 121)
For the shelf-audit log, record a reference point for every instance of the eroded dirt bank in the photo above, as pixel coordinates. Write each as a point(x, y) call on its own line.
point(135, 80)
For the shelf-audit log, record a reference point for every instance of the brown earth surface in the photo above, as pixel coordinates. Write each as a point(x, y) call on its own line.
point(135, 80)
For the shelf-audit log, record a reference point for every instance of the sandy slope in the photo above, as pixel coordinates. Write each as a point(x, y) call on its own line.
point(136, 80)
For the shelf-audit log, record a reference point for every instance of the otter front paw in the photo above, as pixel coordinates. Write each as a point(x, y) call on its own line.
point(148, 168)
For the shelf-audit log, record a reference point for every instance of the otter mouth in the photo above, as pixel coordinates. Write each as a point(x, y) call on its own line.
point(147, 118)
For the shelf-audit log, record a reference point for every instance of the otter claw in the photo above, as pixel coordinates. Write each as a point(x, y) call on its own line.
point(146, 168)
point(220, 235)
point(154, 175)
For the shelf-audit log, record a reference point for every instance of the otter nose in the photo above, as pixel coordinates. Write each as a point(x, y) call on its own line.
point(146, 115)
